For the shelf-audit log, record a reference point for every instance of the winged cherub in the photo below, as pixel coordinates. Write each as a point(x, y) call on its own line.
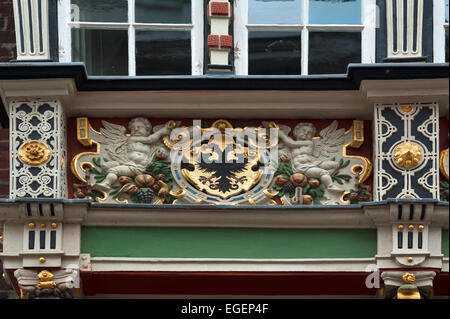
point(129, 155)
point(309, 156)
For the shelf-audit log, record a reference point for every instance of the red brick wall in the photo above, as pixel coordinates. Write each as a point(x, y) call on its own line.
point(4, 163)
point(7, 35)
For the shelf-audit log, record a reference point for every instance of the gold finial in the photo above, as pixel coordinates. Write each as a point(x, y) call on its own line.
point(411, 227)
point(54, 225)
point(407, 155)
point(34, 153)
point(409, 278)
point(46, 279)
point(1, 238)
point(42, 260)
point(421, 227)
point(43, 225)
point(31, 225)
point(400, 227)
point(410, 259)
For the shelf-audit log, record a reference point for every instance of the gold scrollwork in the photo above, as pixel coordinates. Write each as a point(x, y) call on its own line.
point(442, 163)
point(357, 130)
point(83, 136)
point(270, 196)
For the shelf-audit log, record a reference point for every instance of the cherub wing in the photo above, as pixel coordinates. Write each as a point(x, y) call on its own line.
point(114, 141)
point(330, 142)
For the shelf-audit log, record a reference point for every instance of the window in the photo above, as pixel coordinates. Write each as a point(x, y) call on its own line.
point(133, 37)
point(446, 30)
point(440, 31)
point(303, 36)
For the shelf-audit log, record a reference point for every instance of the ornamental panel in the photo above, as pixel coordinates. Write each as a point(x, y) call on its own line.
point(406, 151)
point(224, 163)
point(37, 149)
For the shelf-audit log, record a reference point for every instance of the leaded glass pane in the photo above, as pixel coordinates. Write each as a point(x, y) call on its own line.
point(104, 52)
point(163, 52)
point(99, 11)
point(163, 11)
point(274, 52)
point(335, 11)
point(274, 11)
point(331, 52)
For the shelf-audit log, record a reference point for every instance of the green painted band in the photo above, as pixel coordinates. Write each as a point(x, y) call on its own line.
point(170, 242)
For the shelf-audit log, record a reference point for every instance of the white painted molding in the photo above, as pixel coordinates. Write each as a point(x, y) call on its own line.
point(100, 264)
point(32, 29)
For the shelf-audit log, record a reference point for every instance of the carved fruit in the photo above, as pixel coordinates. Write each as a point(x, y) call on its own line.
point(279, 180)
point(314, 183)
point(160, 156)
point(164, 189)
point(145, 197)
point(156, 187)
point(129, 189)
point(124, 180)
point(307, 199)
point(144, 180)
point(354, 197)
point(160, 177)
point(285, 159)
point(79, 194)
point(298, 179)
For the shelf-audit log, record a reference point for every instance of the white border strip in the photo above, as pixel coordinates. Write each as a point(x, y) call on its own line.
point(224, 264)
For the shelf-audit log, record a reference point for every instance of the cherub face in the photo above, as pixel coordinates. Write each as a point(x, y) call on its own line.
point(139, 129)
point(304, 133)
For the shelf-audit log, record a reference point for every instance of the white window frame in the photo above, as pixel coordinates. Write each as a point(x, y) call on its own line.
point(439, 27)
point(367, 27)
point(196, 27)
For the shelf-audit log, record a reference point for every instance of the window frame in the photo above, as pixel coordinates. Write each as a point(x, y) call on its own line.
point(439, 28)
point(196, 27)
point(369, 12)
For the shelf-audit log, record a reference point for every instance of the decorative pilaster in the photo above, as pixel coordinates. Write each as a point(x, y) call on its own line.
point(37, 149)
point(404, 20)
point(44, 284)
point(406, 151)
point(220, 42)
point(401, 285)
point(32, 19)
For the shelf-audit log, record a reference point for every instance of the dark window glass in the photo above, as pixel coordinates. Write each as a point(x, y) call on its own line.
point(31, 237)
point(99, 11)
point(274, 11)
point(53, 239)
point(163, 11)
point(105, 52)
point(331, 52)
point(42, 239)
point(274, 52)
point(446, 45)
point(335, 12)
point(163, 52)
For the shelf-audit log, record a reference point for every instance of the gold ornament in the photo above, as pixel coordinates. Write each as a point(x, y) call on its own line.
point(406, 109)
point(31, 225)
point(54, 225)
point(42, 260)
point(34, 153)
point(407, 155)
point(46, 279)
point(408, 290)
